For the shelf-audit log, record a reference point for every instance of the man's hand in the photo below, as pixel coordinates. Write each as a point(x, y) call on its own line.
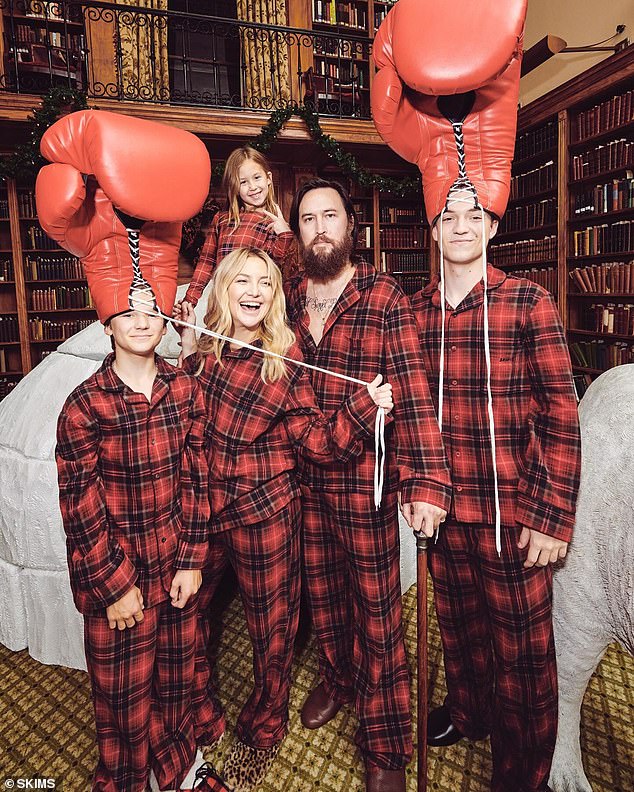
point(127, 611)
point(423, 517)
point(542, 549)
point(185, 584)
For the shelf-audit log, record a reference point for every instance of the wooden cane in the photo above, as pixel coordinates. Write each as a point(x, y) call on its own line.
point(421, 643)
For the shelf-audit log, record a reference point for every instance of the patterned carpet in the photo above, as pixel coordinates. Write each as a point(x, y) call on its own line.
point(46, 725)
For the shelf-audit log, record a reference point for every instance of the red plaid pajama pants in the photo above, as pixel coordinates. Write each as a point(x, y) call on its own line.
point(352, 565)
point(265, 558)
point(141, 682)
point(499, 654)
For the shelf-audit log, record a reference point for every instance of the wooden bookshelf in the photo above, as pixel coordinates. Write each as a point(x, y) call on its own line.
point(579, 218)
point(44, 297)
point(43, 41)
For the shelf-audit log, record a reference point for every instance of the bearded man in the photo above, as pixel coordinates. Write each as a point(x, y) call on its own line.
point(350, 319)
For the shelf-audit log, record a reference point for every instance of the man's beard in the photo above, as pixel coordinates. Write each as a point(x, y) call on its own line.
point(327, 265)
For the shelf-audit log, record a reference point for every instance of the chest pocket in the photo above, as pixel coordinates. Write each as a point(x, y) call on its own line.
point(509, 373)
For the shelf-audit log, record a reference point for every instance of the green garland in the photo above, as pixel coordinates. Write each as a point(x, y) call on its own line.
point(27, 160)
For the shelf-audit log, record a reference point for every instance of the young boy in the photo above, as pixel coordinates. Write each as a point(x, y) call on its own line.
point(133, 496)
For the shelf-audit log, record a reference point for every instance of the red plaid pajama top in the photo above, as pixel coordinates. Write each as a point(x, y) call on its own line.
point(132, 485)
point(371, 330)
point(253, 231)
point(534, 404)
point(256, 432)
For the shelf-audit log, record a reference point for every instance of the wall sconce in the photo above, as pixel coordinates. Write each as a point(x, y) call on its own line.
point(554, 45)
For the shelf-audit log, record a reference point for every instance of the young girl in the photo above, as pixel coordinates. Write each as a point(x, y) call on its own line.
point(252, 220)
point(262, 412)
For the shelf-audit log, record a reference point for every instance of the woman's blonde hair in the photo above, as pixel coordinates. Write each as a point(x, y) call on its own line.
point(274, 333)
point(231, 181)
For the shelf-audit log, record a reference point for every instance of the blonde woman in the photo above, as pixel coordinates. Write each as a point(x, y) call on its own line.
point(262, 412)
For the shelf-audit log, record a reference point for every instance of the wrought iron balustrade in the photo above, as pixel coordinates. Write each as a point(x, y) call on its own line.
point(127, 52)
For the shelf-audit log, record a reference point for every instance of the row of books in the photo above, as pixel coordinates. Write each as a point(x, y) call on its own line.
point(535, 180)
point(608, 157)
point(336, 13)
point(37, 239)
point(615, 277)
point(40, 268)
point(612, 113)
point(524, 251)
point(608, 318)
point(4, 209)
point(26, 204)
point(532, 215)
point(412, 283)
point(343, 73)
point(9, 330)
point(60, 297)
point(49, 330)
point(609, 197)
point(605, 238)
point(403, 237)
point(536, 141)
point(6, 271)
point(545, 277)
point(25, 34)
point(599, 355)
point(403, 262)
point(6, 386)
point(400, 214)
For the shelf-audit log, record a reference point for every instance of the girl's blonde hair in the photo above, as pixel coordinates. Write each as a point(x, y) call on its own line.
point(274, 333)
point(231, 181)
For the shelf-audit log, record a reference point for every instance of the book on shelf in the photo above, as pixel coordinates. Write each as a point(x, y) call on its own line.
point(403, 262)
point(603, 238)
point(9, 330)
point(596, 354)
point(53, 268)
point(528, 216)
point(582, 382)
point(348, 14)
point(400, 214)
point(50, 330)
point(536, 141)
point(605, 157)
point(535, 180)
point(4, 209)
point(6, 271)
point(3, 361)
point(415, 237)
point(524, 251)
point(613, 112)
point(37, 239)
point(61, 297)
point(365, 237)
point(614, 277)
point(608, 318)
point(26, 204)
point(412, 283)
point(6, 386)
point(612, 196)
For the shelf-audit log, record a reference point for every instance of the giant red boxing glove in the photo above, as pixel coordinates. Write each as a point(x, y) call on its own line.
point(423, 51)
point(146, 170)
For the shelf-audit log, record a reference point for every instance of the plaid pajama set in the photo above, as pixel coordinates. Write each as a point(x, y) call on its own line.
point(134, 502)
point(351, 550)
point(254, 435)
point(223, 237)
point(494, 615)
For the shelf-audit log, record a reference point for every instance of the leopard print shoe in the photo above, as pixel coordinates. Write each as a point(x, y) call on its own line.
point(246, 766)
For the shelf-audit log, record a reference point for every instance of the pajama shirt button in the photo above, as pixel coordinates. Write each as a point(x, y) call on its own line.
point(459, 489)
point(163, 539)
point(454, 382)
point(157, 475)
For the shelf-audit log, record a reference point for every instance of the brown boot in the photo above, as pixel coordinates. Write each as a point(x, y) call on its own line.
point(319, 708)
point(246, 767)
point(379, 780)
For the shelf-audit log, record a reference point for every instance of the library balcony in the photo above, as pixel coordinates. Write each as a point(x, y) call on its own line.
point(166, 57)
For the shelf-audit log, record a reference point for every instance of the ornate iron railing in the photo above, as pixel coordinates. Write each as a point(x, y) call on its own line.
point(126, 52)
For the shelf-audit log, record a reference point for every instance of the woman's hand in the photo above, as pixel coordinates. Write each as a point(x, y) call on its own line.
point(381, 395)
